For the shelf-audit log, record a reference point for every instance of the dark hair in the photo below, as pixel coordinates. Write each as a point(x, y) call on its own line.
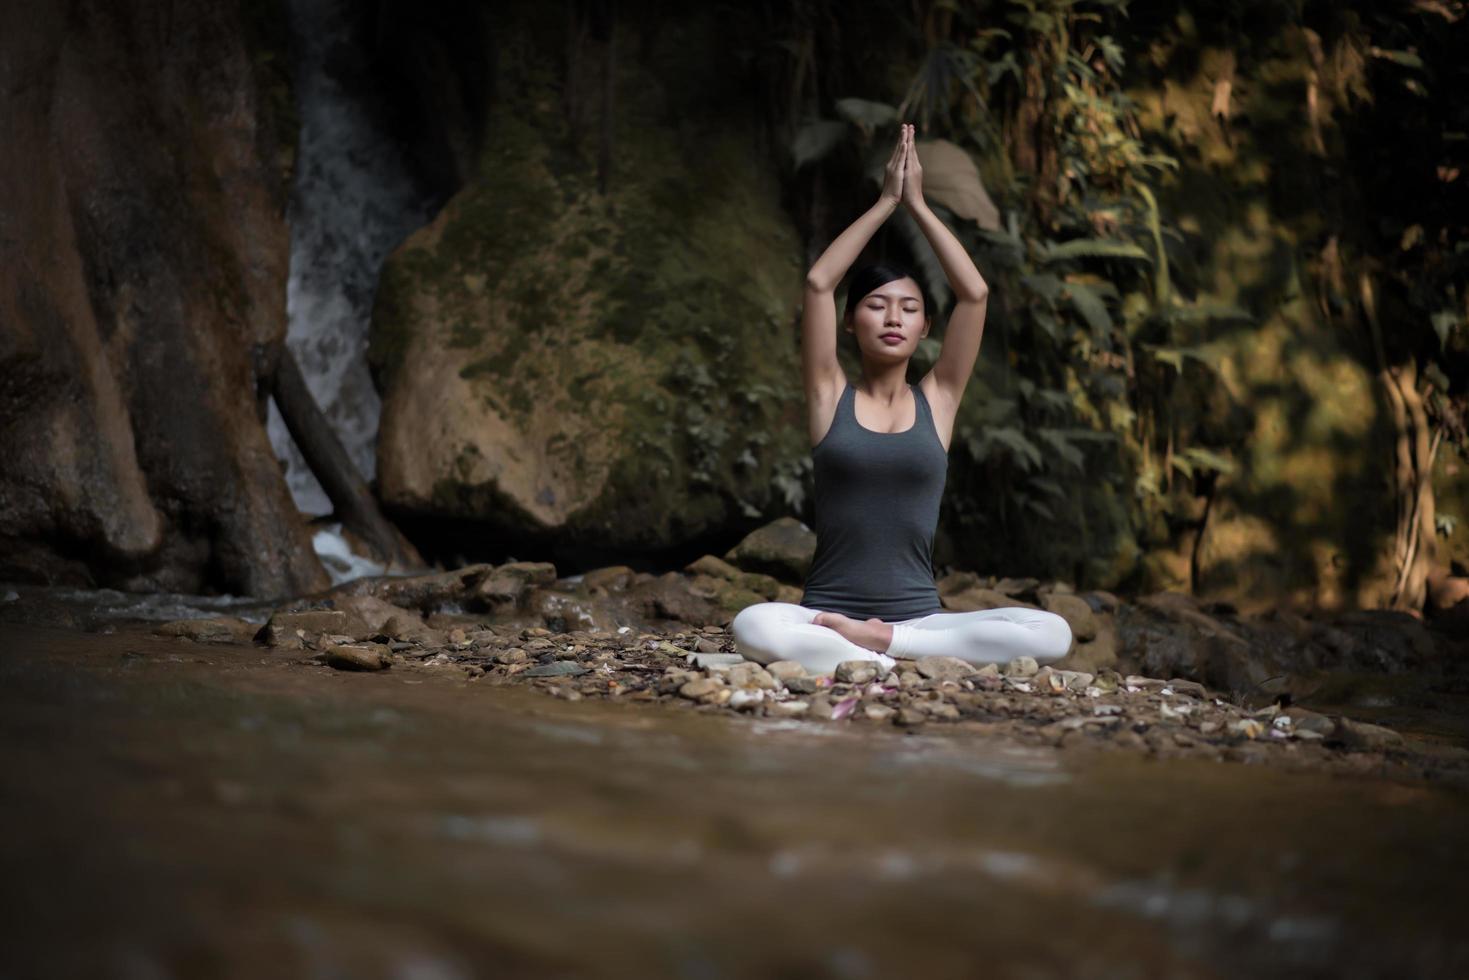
point(870, 277)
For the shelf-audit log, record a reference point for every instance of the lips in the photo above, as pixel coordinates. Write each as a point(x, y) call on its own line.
point(897, 337)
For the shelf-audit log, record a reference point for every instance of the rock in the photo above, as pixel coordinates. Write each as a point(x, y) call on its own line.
point(1047, 680)
point(1248, 727)
point(668, 597)
point(1076, 680)
point(783, 548)
point(514, 655)
point(714, 661)
point(712, 567)
point(557, 668)
point(1021, 667)
point(787, 709)
point(222, 629)
point(613, 578)
point(1303, 720)
point(1075, 611)
point(572, 406)
point(370, 609)
point(506, 585)
point(1360, 735)
point(820, 708)
point(750, 675)
point(333, 621)
point(1095, 654)
point(408, 627)
point(878, 712)
point(910, 717)
point(802, 685)
point(745, 699)
point(785, 670)
point(944, 668)
point(858, 671)
point(698, 688)
point(357, 657)
point(979, 598)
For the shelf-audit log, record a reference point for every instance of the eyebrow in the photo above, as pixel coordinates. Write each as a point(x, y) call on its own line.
point(900, 296)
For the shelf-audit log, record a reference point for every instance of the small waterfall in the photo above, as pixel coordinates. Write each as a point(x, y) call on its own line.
point(354, 200)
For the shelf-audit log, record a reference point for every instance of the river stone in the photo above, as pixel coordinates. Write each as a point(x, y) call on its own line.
point(878, 712)
point(750, 675)
point(612, 578)
point(785, 670)
point(944, 668)
point(357, 657)
point(802, 685)
point(714, 661)
point(1021, 667)
point(857, 671)
point(333, 621)
point(910, 716)
point(1303, 720)
point(1075, 610)
point(745, 698)
point(698, 688)
point(488, 365)
point(787, 709)
point(1364, 736)
point(783, 548)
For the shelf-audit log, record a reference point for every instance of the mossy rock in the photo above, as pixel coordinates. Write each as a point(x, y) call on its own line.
point(618, 367)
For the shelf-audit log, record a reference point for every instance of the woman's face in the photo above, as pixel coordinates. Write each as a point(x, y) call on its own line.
point(889, 321)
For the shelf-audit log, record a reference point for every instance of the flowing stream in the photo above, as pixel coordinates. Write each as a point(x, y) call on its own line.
point(177, 809)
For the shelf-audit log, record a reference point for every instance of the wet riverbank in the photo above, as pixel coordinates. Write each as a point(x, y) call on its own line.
point(172, 808)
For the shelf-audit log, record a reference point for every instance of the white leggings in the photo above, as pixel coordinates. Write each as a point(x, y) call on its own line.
point(771, 631)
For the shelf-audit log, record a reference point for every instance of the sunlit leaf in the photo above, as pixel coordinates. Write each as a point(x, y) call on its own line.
point(950, 178)
point(816, 139)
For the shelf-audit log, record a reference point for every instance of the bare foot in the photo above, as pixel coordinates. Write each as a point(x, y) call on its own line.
point(870, 634)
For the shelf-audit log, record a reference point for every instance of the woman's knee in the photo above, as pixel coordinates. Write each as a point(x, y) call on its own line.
point(1054, 636)
point(753, 628)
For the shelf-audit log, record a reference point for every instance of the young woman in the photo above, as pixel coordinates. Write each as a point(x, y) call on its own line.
point(880, 453)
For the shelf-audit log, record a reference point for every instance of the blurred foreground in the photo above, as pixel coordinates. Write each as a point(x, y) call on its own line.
point(175, 809)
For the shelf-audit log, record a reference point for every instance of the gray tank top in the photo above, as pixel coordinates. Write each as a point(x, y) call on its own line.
point(877, 505)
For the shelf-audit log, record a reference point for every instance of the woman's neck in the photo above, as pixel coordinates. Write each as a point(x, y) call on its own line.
point(885, 383)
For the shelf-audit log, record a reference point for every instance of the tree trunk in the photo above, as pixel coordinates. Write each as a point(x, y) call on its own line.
point(329, 461)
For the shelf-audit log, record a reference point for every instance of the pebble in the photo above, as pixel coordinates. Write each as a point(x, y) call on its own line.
point(1361, 735)
point(744, 698)
point(878, 712)
point(787, 709)
point(699, 687)
point(1248, 727)
point(858, 671)
point(820, 708)
point(515, 655)
point(944, 668)
point(785, 670)
point(803, 685)
point(752, 675)
point(709, 661)
point(910, 717)
point(344, 657)
point(1021, 667)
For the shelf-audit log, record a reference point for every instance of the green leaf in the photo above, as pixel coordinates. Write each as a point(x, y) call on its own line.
point(1091, 306)
point(1204, 459)
point(1046, 285)
point(1095, 248)
point(1444, 324)
point(1069, 454)
point(1405, 58)
point(1025, 452)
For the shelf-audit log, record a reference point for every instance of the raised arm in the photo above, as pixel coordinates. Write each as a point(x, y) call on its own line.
point(971, 293)
point(820, 370)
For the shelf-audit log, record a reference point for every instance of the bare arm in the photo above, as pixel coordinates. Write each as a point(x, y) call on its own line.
point(971, 292)
point(819, 366)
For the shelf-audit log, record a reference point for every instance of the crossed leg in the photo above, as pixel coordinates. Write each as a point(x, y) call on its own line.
point(770, 631)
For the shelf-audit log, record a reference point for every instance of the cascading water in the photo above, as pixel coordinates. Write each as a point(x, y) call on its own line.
point(354, 199)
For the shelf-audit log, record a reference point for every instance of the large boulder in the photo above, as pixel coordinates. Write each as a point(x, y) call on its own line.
point(143, 256)
point(618, 366)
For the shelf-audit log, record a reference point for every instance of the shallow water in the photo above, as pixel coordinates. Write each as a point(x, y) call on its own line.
point(172, 809)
